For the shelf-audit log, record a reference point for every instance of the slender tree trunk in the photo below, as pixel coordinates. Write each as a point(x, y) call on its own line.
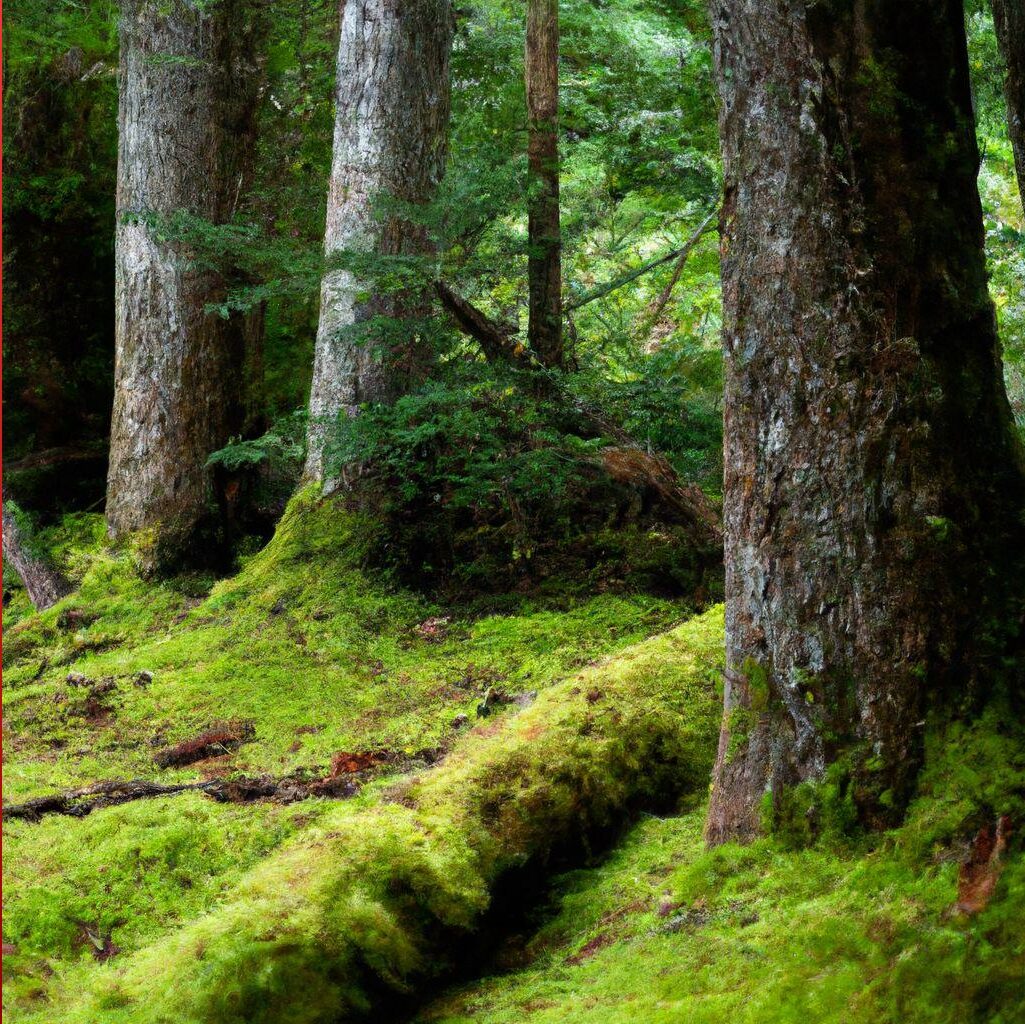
point(544, 232)
point(391, 142)
point(1009, 19)
point(45, 585)
point(187, 123)
point(874, 484)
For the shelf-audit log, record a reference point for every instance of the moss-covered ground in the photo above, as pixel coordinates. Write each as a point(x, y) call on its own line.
point(182, 909)
point(666, 931)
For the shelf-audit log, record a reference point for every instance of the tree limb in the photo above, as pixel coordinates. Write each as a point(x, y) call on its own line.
point(657, 308)
point(610, 286)
point(627, 461)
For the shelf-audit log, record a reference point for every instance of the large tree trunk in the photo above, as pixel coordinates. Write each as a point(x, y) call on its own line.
point(1009, 19)
point(874, 484)
point(45, 585)
point(188, 98)
point(391, 142)
point(544, 331)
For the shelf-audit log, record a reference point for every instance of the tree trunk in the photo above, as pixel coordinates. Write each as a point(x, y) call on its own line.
point(874, 483)
point(1009, 19)
point(391, 142)
point(544, 233)
point(187, 110)
point(45, 585)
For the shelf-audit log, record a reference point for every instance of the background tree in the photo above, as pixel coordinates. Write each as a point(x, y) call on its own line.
point(390, 144)
point(1009, 21)
point(188, 94)
point(874, 483)
point(544, 230)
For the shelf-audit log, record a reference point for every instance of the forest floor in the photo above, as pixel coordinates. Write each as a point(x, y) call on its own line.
point(489, 812)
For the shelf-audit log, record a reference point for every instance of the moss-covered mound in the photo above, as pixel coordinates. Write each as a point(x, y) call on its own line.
point(370, 899)
point(918, 926)
point(324, 663)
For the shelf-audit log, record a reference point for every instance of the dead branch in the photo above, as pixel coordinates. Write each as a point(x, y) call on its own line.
point(45, 585)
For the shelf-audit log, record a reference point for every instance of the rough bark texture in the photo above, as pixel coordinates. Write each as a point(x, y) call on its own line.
point(186, 123)
point(45, 585)
point(544, 233)
point(391, 141)
point(874, 485)
point(1009, 19)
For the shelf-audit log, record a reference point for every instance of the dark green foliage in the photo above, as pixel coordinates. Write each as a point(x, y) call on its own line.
point(60, 153)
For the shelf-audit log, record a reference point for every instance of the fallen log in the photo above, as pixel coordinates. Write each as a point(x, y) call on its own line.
point(379, 897)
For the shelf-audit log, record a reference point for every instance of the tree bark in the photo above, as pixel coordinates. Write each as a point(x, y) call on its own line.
point(391, 142)
point(188, 95)
point(544, 271)
point(1009, 20)
point(45, 585)
point(874, 483)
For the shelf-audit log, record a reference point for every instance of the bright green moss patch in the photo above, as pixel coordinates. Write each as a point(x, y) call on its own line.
point(666, 931)
point(75, 890)
point(368, 900)
point(319, 655)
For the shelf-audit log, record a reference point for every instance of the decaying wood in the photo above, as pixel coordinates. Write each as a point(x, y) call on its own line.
point(77, 803)
point(347, 773)
point(978, 875)
point(45, 585)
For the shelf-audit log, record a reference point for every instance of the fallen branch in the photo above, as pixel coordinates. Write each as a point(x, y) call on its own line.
point(494, 338)
point(343, 780)
point(658, 306)
point(77, 803)
point(45, 585)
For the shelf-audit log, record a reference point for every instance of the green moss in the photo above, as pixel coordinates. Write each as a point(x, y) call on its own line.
point(768, 934)
point(757, 684)
point(354, 903)
point(321, 656)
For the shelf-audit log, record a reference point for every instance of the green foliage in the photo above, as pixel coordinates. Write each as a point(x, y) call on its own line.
point(281, 449)
point(1002, 203)
point(478, 440)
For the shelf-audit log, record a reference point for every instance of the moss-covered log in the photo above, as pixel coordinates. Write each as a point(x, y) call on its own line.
point(371, 901)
